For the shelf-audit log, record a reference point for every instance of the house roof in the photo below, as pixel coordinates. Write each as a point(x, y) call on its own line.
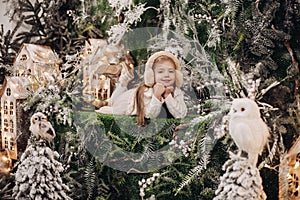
point(18, 86)
point(108, 69)
point(39, 53)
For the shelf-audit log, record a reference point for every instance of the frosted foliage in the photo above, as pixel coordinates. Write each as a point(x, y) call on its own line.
point(52, 101)
point(120, 5)
point(38, 174)
point(116, 33)
point(214, 38)
point(240, 181)
point(131, 16)
point(173, 42)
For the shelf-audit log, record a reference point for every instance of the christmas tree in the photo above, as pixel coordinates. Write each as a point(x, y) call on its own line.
point(38, 174)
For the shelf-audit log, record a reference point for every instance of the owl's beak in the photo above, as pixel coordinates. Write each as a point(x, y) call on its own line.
point(232, 111)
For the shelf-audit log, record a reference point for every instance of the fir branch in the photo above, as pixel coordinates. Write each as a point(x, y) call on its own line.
point(206, 146)
point(6, 187)
point(90, 179)
point(192, 175)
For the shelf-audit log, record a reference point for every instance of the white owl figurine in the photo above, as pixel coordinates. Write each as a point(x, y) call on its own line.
point(247, 129)
point(40, 127)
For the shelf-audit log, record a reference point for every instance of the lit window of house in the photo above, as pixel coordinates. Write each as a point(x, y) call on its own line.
point(23, 57)
point(5, 143)
point(11, 108)
point(5, 124)
point(12, 144)
point(5, 108)
point(11, 126)
point(89, 51)
point(8, 91)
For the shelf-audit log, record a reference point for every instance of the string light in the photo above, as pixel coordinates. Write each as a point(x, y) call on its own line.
point(5, 162)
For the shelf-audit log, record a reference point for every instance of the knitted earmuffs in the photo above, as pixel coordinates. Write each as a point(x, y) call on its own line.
point(149, 73)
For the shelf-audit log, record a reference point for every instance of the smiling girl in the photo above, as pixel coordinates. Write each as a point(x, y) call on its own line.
point(159, 96)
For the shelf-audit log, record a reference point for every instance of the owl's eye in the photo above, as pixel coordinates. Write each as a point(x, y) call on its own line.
point(242, 109)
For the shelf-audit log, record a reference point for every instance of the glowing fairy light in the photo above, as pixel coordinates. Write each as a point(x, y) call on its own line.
point(5, 162)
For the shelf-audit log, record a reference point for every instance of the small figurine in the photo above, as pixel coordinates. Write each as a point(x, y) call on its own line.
point(247, 129)
point(40, 127)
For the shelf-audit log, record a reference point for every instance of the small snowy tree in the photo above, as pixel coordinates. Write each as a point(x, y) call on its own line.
point(38, 174)
point(240, 181)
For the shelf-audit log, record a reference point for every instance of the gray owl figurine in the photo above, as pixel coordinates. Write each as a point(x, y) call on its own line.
point(247, 129)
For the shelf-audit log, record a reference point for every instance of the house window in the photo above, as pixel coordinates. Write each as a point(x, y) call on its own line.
point(5, 124)
point(11, 126)
point(11, 108)
point(23, 57)
point(5, 108)
point(5, 143)
point(8, 91)
point(12, 144)
point(89, 51)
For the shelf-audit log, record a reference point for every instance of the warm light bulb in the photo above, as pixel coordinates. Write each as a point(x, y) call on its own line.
point(297, 164)
point(3, 158)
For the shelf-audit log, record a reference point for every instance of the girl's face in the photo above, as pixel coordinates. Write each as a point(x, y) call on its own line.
point(164, 73)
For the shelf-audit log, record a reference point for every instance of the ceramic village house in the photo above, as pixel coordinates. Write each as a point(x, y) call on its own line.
point(33, 66)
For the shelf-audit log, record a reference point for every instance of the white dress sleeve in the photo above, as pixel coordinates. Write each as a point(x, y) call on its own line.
point(121, 102)
point(119, 90)
point(176, 104)
point(152, 104)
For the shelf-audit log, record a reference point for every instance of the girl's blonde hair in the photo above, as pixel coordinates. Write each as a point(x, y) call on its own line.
point(139, 96)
